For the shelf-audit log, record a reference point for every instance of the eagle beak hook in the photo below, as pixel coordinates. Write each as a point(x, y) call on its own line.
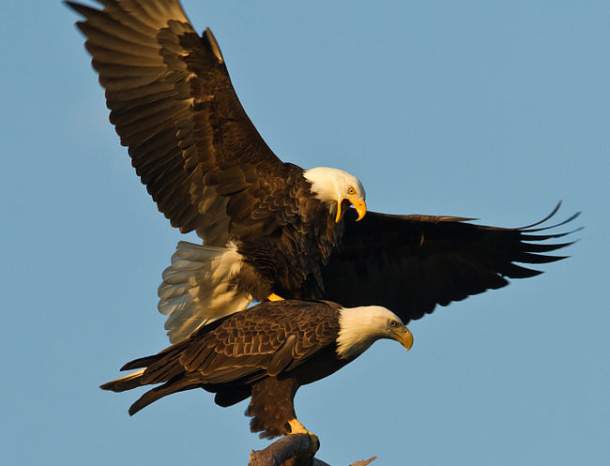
point(406, 339)
point(360, 206)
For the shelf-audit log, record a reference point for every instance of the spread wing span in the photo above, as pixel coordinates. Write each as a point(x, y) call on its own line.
point(411, 263)
point(173, 105)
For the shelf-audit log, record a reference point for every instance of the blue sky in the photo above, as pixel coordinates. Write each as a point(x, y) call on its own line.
point(487, 109)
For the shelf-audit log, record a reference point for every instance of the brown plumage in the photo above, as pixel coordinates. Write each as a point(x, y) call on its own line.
point(266, 353)
point(265, 228)
point(418, 261)
point(191, 143)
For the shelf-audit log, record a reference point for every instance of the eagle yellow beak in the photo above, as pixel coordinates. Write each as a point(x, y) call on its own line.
point(360, 207)
point(404, 337)
point(358, 203)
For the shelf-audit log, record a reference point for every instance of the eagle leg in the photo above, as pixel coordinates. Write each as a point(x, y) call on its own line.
point(297, 428)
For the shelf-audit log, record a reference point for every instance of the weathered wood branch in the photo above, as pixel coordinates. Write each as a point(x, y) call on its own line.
point(294, 450)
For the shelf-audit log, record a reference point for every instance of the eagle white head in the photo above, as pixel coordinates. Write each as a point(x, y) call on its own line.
point(360, 327)
point(332, 185)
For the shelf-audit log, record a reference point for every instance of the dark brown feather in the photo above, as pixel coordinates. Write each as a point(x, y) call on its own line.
point(172, 103)
point(209, 170)
point(264, 352)
point(411, 263)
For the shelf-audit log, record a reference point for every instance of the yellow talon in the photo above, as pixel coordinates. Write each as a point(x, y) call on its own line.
point(274, 297)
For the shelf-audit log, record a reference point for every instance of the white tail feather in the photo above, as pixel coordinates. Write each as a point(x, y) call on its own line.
point(196, 288)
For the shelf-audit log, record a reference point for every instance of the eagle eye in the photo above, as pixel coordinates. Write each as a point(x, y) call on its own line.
point(351, 191)
point(394, 324)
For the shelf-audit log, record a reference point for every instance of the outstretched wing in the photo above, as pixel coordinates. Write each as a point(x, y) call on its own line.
point(411, 263)
point(173, 105)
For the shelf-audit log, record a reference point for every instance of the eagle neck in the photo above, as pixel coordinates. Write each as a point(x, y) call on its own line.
point(356, 333)
point(323, 184)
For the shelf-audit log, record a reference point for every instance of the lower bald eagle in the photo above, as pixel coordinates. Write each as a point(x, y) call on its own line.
point(270, 229)
point(266, 353)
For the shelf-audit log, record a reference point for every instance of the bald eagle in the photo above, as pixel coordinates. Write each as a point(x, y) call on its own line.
point(266, 353)
point(270, 229)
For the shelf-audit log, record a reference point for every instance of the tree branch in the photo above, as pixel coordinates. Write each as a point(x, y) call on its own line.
point(294, 450)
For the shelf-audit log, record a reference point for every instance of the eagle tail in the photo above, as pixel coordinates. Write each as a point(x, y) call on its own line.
point(198, 288)
point(173, 386)
point(163, 368)
point(140, 362)
point(158, 368)
point(133, 380)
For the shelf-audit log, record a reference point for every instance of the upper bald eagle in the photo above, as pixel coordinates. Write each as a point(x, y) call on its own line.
point(269, 228)
point(267, 353)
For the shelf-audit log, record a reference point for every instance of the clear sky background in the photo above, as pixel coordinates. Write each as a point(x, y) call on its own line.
point(488, 109)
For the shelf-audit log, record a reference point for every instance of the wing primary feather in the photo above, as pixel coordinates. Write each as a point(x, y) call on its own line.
point(209, 35)
point(529, 258)
point(525, 237)
point(547, 217)
point(434, 260)
point(540, 248)
point(568, 220)
point(162, 77)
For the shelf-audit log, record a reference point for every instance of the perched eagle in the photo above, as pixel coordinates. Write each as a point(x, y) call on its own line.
point(270, 229)
point(266, 353)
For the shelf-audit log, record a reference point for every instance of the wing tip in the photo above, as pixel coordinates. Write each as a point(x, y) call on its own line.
point(213, 43)
point(531, 227)
point(79, 8)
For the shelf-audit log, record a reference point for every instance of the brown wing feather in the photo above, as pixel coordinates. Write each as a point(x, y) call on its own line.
point(172, 103)
point(229, 355)
point(266, 339)
point(411, 263)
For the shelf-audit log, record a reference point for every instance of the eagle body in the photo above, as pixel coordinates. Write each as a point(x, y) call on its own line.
point(266, 353)
point(281, 247)
point(268, 227)
point(287, 254)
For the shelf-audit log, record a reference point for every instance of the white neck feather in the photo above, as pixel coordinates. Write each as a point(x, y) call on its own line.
point(323, 183)
point(360, 327)
point(330, 184)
